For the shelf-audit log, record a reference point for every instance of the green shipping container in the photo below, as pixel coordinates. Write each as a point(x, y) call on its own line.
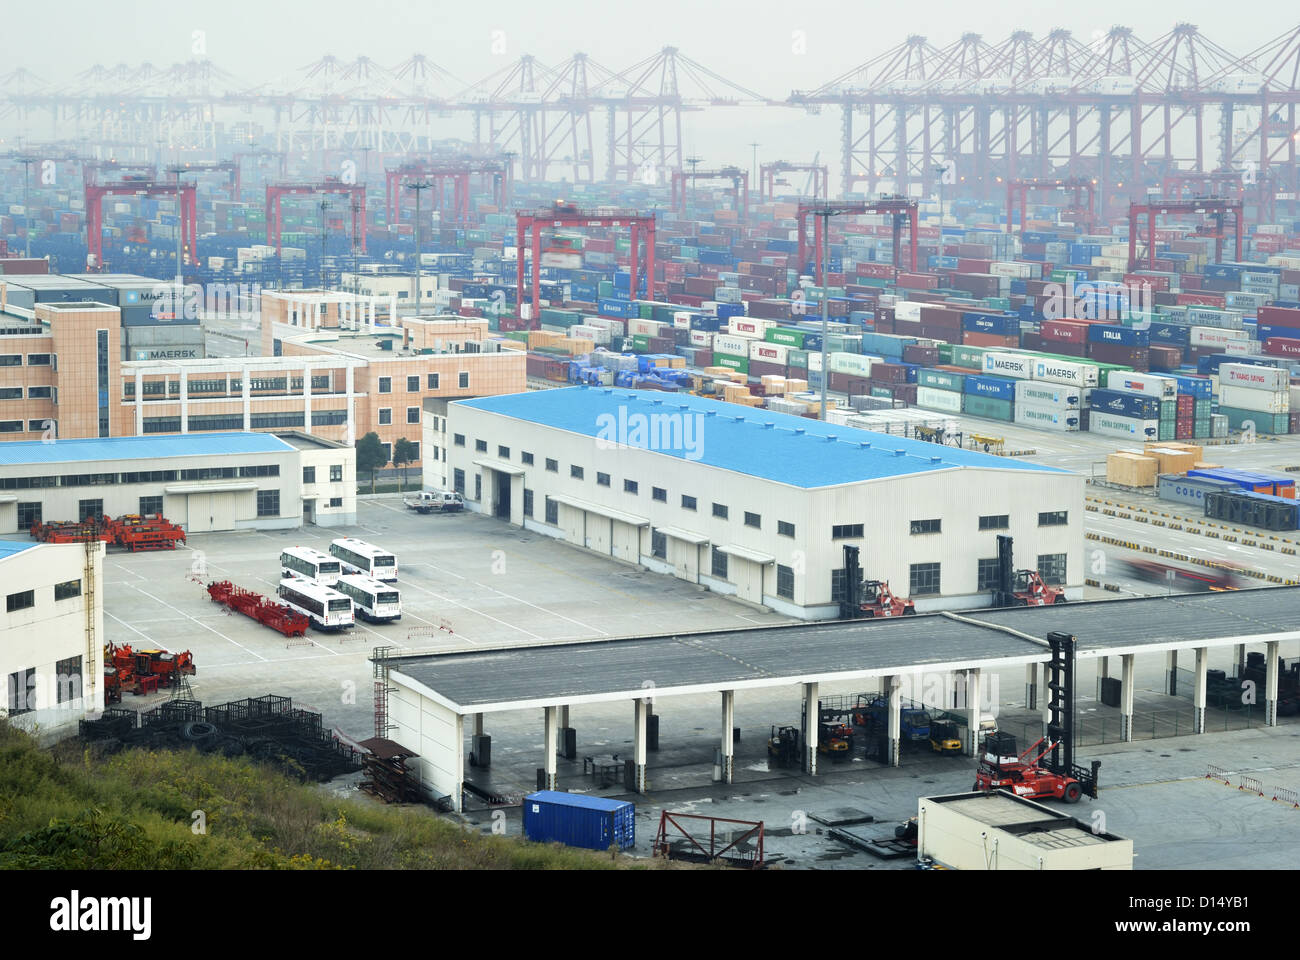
point(945, 354)
point(1201, 409)
point(640, 343)
point(968, 358)
point(1264, 422)
point(882, 392)
point(735, 363)
point(940, 379)
point(1168, 411)
point(797, 359)
point(605, 288)
point(989, 407)
point(1166, 430)
point(791, 338)
point(1201, 428)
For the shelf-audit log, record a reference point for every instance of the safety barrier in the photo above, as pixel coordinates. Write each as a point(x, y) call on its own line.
point(1213, 772)
point(1250, 784)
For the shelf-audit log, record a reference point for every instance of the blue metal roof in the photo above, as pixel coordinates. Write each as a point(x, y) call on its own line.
point(9, 547)
point(154, 446)
point(775, 446)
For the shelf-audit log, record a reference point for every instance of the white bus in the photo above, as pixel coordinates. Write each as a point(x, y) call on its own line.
point(358, 556)
point(326, 607)
point(309, 563)
point(374, 601)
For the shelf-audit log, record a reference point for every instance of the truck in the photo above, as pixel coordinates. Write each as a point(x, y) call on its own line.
point(434, 501)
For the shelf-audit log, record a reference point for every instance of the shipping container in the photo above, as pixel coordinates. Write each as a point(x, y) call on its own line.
point(1067, 372)
point(577, 820)
point(1018, 365)
point(1135, 406)
point(1111, 425)
point(991, 408)
point(1261, 401)
point(1164, 388)
point(1047, 418)
point(931, 398)
point(1252, 376)
point(1191, 490)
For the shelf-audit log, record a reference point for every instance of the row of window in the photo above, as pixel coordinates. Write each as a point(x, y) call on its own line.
point(432, 379)
point(156, 388)
point(33, 393)
point(26, 599)
point(22, 685)
point(386, 415)
point(924, 578)
point(145, 476)
point(993, 522)
point(33, 426)
point(256, 421)
point(336, 474)
point(16, 359)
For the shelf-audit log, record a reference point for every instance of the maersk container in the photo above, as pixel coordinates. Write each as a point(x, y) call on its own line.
point(1111, 425)
point(1047, 418)
point(989, 407)
point(576, 820)
point(1018, 365)
point(1135, 406)
point(1163, 388)
point(1051, 370)
point(996, 388)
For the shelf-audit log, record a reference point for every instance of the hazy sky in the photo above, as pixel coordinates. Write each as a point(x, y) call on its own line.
point(766, 46)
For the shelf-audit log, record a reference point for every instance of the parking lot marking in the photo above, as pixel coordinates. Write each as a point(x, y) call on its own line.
point(199, 622)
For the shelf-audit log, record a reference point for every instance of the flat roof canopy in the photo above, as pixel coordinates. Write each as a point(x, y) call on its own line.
point(603, 511)
point(608, 670)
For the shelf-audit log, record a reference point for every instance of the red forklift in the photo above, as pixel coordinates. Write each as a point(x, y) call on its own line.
point(1021, 588)
point(870, 598)
point(1047, 769)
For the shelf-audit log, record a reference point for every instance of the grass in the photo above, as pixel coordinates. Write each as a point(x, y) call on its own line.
point(69, 808)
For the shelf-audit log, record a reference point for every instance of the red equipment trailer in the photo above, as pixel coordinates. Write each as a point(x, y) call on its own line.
point(152, 532)
point(275, 615)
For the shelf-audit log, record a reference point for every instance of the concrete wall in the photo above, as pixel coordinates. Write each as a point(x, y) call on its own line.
point(435, 733)
point(41, 636)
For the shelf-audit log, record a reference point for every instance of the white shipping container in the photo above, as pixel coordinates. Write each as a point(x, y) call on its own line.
point(1019, 271)
point(1243, 348)
point(1294, 394)
point(730, 344)
point(753, 328)
point(1261, 401)
point(1066, 372)
point(616, 327)
point(1252, 376)
point(932, 398)
point(1046, 418)
point(1056, 396)
point(1166, 388)
point(1111, 425)
point(701, 338)
point(1018, 365)
point(645, 328)
point(857, 364)
point(907, 310)
point(769, 352)
point(727, 294)
point(1215, 336)
point(682, 320)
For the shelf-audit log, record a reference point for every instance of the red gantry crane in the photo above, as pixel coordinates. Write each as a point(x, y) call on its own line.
point(739, 186)
point(563, 214)
point(229, 167)
point(1216, 207)
point(356, 191)
point(95, 193)
point(438, 172)
point(768, 172)
point(1081, 215)
point(899, 207)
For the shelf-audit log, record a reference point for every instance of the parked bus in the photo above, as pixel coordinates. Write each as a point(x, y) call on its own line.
point(309, 563)
point(357, 556)
point(327, 608)
point(373, 600)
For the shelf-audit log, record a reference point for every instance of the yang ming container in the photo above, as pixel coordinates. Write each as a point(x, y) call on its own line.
point(579, 821)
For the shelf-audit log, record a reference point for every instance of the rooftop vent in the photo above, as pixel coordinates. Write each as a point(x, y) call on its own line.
point(864, 444)
point(900, 453)
point(769, 425)
point(830, 438)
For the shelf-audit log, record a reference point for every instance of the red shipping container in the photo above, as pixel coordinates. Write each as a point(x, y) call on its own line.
point(876, 271)
point(762, 368)
point(905, 392)
point(1295, 422)
point(846, 383)
point(1190, 281)
point(889, 373)
point(929, 330)
point(918, 281)
point(1140, 280)
point(1069, 331)
point(686, 300)
point(1164, 357)
point(1200, 299)
point(973, 339)
point(915, 353)
point(1282, 347)
point(1279, 316)
point(1136, 357)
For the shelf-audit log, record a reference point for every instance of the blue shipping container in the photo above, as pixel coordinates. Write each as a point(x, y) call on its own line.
point(1136, 406)
point(1264, 331)
point(1198, 387)
point(1125, 336)
point(619, 309)
point(997, 324)
point(1172, 334)
point(998, 387)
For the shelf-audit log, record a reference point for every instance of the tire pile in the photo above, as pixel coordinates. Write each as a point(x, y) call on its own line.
point(268, 729)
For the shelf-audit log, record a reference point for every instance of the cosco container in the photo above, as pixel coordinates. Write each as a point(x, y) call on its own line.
point(576, 820)
point(1191, 490)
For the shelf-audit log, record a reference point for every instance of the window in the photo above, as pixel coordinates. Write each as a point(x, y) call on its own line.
point(38, 359)
point(385, 384)
point(986, 577)
point(785, 582)
point(150, 505)
point(89, 508)
point(719, 566)
point(720, 511)
point(458, 439)
point(784, 529)
point(688, 503)
point(412, 414)
point(67, 678)
point(528, 502)
point(458, 481)
point(22, 691)
point(552, 512)
point(659, 493)
point(846, 531)
point(11, 359)
point(20, 601)
point(925, 526)
point(478, 486)
point(37, 425)
point(462, 380)
point(503, 452)
point(838, 591)
point(602, 479)
point(924, 579)
point(1053, 519)
point(29, 514)
point(1051, 567)
point(385, 416)
point(413, 384)
point(38, 393)
point(67, 590)
point(525, 458)
point(480, 446)
point(552, 466)
point(336, 473)
point(753, 520)
point(999, 521)
point(268, 503)
point(658, 544)
point(575, 471)
point(11, 426)
point(336, 501)
point(629, 486)
point(432, 381)
point(12, 393)
point(308, 474)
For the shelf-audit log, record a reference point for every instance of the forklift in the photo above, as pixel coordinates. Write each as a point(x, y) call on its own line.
point(783, 745)
point(944, 738)
point(834, 739)
point(870, 598)
point(1047, 769)
point(1021, 588)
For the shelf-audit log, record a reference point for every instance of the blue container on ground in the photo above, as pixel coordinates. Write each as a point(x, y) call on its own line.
point(577, 820)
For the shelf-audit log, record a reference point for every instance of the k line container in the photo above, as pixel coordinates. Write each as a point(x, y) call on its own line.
point(576, 820)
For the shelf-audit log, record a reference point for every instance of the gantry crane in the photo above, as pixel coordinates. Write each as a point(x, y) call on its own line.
point(1017, 190)
point(229, 167)
point(739, 186)
point(438, 172)
point(1216, 207)
point(275, 191)
point(768, 172)
point(187, 201)
point(900, 208)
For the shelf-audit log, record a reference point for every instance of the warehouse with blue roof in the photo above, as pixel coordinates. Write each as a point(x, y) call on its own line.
point(755, 504)
point(205, 482)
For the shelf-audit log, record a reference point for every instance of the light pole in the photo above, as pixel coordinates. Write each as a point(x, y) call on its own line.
point(825, 213)
point(27, 210)
point(324, 236)
point(753, 172)
point(942, 171)
point(694, 162)
point(419, 187)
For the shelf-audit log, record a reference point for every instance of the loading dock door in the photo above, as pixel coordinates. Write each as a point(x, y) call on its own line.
point(211, 511)
point(627, 542)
